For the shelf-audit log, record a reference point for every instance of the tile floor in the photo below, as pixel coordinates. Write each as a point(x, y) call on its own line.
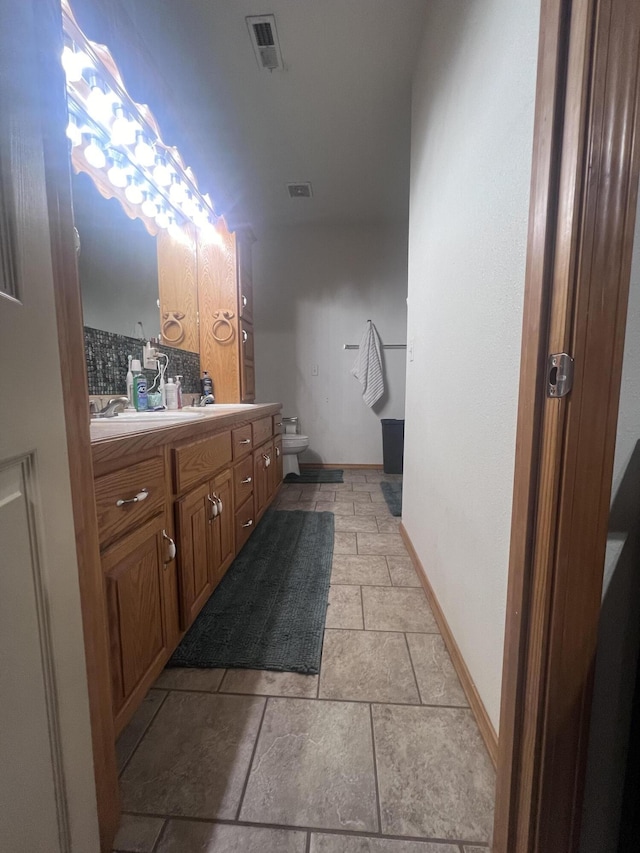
point(378, 754)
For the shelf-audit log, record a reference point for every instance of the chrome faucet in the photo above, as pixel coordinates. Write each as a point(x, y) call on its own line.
point(115, 405)
point(207, 399)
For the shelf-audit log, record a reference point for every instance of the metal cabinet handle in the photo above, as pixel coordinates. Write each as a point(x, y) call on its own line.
point(214, 506)
point(279, 423)
point(220, 506)
point(244, 301)
point(245, 337)
point(248, 523)
point(142, 495)
point(172, 547)
point(246, 481)
point(267, 460)
point(245, 441)
point(277, 453)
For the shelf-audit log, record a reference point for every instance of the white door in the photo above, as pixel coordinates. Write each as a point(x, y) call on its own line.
point(47, 791)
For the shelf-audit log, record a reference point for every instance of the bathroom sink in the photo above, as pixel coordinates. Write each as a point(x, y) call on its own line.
point(163, 418)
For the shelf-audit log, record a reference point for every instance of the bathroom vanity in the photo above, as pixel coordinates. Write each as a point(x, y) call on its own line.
point(178, 494)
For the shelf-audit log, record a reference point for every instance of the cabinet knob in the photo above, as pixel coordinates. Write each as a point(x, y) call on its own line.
point(246, 481)
point(244, 336)
point(245, 441)
point(248, 523)
point(172, 547)
point(244, 301)
point(142, 495)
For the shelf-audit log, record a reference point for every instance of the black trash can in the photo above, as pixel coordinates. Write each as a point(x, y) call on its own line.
point(392, 445)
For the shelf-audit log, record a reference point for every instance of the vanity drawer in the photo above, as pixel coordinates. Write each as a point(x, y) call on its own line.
point(129, 496)
point(199, 460)
point(245, 523)
point(278, 429)
point(242, 441)
point(262, 430)
point(243, 480)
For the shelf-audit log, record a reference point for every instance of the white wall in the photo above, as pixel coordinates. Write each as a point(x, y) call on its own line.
point(472, 133)
point(315, 287)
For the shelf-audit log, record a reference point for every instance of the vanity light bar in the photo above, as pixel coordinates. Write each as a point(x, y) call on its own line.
point(122, 137)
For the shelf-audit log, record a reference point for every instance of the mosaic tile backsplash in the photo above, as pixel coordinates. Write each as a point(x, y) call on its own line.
point(106, 355)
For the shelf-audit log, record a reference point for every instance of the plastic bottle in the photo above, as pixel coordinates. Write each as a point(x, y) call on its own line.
point(139, 387)
point(171, 394)
point(206, 383)
point(179, 390)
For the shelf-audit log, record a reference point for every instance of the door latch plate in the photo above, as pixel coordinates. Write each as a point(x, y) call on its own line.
point(559, 374)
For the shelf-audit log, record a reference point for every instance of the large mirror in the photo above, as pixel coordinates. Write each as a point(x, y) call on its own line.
point(117, 265)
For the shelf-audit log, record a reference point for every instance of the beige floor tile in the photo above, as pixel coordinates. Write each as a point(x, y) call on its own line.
point(305, 506)
point(367, 666)
point(140, 722)
point(377, 497)
point(262, 682)
point(313, 766)
point(137, 834)
point(313, 490)
point(388, 544)
point(345, 608)
point(194, 758)
point(366, 487)
point(335, 487)
point(379, 510)
point(290, 495)
point(437, 679)
point(190, 837)
point(357, 524)
point(336, 507)
point(402, 572)
point(350, 477)
point(388, 524)
point(375, 476)
point(397, 609)
point(434, 775)
point(361, 844)
point(344, 542)
point(360, 570)
point(186, 678)
point(356, 497)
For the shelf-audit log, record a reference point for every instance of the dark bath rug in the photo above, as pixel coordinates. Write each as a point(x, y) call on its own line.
point(393, 496)
point(316, 475)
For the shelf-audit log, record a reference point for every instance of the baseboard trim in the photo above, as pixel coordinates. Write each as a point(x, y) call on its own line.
point(476, 704)
point(339, 465)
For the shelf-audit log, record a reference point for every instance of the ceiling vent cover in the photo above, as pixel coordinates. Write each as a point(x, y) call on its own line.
point(300, 190)
point(264, 38)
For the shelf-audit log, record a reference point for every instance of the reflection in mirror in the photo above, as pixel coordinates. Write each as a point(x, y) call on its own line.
point(117, 265)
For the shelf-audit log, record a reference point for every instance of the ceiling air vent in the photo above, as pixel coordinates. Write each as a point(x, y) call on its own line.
point(300, 190)
point(264, 38)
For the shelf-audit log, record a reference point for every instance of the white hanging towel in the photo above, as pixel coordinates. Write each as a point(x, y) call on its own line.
point(368, 366)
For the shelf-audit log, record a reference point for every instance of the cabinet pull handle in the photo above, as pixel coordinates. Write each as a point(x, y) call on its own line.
point(220, 506)
point(267, 460)
point(244, 301)
point(277, 453)
point(244, 336)
point(214, 506)
point(248, 523)
point(245, 441)
point(142, 495)
point(246, 481)
point(172, 547)
point(279, 423)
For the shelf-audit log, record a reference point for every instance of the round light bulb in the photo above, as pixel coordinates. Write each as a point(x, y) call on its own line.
point(200, 217)
point(99, 100)
point(149, 207)
point(178, 191)
point(188, 204)
point(123, 128)
point(94, 155)
point(74, 62)
point(161, 172)
point(143, 150)
point(133, 191)
point(118, 173)
point(162, 219)
point(73, 132)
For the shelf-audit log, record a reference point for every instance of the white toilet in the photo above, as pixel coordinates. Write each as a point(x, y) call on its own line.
point(292, 444)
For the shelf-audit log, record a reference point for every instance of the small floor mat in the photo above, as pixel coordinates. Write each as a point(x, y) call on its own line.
point(270, 608)
point(316, 475)
point(392, 492)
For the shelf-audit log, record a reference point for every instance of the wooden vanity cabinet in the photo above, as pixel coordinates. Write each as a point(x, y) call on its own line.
point(264, 479)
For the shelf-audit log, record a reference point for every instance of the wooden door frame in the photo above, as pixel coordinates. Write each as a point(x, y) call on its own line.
point(582, 214)
point(74, 385)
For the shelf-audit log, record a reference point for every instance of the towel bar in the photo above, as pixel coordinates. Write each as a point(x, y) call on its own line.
point(384, 346)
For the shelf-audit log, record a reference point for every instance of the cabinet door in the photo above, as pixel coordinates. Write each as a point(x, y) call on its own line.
point(134, 592)
point(271, 470)
point(260, 479)
point(222, 526)
point(178, 289)
point(276, 465)
point(195, 575)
